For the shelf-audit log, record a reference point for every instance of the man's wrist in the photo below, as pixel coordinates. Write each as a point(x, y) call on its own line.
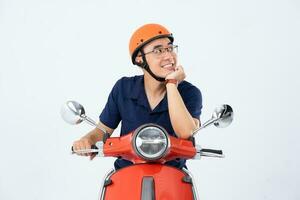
point(171, 81)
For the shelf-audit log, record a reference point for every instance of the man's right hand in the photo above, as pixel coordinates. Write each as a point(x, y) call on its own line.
point(82, 144)
point(90, 139)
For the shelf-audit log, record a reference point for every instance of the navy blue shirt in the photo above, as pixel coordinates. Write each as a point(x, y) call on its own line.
point(127, 103)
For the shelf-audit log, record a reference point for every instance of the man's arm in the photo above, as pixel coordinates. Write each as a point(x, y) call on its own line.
point(182, 121)
point(91, 138)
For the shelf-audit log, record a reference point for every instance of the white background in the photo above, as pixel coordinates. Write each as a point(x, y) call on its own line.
point(244, 53)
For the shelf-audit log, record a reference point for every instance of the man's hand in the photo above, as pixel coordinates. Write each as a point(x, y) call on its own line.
point(178, 74)
point(82, 144)
point(90, 139)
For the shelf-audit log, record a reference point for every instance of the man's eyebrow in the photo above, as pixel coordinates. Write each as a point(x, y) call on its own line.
point(157, 46)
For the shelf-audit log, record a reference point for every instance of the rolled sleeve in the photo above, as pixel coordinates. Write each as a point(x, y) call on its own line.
point(110, 115)
point(193, 101)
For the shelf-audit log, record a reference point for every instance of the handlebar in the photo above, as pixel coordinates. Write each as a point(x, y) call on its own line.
point(91, 150)
point(220, 152)
point(211, 153)
point(96, 148)
point(208, 153)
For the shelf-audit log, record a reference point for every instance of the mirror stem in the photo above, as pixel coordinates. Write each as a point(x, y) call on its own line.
point(206, 124)
point(92, 122)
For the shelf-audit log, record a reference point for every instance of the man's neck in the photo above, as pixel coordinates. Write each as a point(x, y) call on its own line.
point(153, 87)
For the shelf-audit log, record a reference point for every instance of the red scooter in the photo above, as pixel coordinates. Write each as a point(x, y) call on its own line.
point(148, 147)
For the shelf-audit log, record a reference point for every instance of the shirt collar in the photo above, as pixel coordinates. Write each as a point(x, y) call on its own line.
point(137, 87)
point(138, 93)
point(162, 106)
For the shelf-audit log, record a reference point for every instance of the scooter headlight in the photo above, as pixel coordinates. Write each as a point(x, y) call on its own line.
point(151, 142)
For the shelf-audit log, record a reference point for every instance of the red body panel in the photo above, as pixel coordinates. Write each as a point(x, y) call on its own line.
point(168, 184)
point(122, 147)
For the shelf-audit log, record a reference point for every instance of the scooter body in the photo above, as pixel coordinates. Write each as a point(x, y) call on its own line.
point(148, 181)
point(149, 147)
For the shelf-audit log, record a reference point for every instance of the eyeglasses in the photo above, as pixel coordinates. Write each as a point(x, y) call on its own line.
point(160, 51)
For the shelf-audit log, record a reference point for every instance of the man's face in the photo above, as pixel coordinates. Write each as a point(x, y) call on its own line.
point(160, 60)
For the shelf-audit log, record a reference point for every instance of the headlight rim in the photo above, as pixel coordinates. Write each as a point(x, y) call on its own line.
point(137, 131)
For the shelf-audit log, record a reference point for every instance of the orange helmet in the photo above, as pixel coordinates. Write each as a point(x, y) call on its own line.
point(144, 35)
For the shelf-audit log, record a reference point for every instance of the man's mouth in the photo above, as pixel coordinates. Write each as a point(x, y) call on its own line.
point(169, 66)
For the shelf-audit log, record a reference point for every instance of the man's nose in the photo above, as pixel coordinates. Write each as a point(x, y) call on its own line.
point(168, 55)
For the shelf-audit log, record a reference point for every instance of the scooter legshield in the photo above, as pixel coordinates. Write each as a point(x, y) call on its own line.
point(146, 181)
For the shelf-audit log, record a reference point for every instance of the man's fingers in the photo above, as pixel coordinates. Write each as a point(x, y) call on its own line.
point(92, 156)
point(80, 145)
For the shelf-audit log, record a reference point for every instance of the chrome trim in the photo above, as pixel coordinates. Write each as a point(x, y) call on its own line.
point(136, 132)
point(194, 189)
point(221, 118)
point(198, 154)
point(148, 191)
point(207, 154)
point(100, 145)
point(92, 122)
point(102, 188)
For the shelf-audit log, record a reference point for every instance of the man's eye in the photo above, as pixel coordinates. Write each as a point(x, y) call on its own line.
point(158, 51)
point(170, 49)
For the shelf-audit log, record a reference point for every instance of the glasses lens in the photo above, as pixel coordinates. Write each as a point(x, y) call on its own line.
point(159, 52)
point(175, 49)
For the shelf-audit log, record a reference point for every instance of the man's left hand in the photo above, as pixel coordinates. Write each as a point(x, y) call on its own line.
point(178, 74)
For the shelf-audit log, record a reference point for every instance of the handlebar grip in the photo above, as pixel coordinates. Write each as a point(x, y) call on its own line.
point(212, 151)
point(92, 147)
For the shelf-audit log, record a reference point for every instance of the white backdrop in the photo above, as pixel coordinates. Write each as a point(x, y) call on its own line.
point(244, 53)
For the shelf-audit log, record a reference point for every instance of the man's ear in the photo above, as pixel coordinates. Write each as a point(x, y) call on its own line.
point(138, 58)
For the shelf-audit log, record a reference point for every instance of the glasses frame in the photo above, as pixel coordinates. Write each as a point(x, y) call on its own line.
point(164, 50)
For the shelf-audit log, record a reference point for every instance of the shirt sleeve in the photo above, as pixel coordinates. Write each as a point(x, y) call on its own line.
point(192, 98)
point(110, 115)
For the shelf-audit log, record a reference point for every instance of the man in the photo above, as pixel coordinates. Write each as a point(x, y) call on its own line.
point(160, 96)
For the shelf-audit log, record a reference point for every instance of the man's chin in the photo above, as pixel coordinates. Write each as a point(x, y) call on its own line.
point(169, 72)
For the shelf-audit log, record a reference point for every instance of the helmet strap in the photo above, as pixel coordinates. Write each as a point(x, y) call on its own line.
point(147, 68)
